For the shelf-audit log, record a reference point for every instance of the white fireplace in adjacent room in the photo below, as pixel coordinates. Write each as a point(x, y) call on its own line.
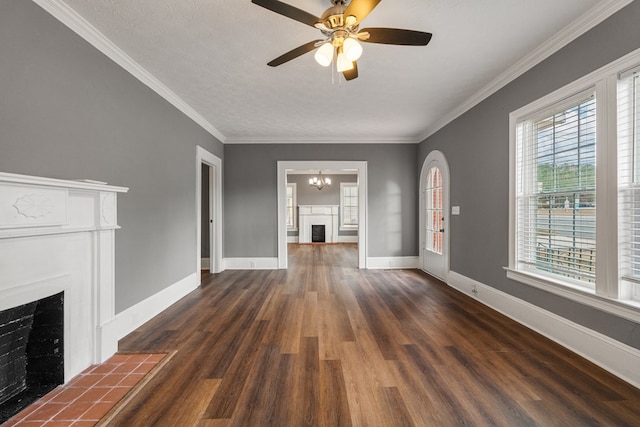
point(59, 236)
point(318, 215)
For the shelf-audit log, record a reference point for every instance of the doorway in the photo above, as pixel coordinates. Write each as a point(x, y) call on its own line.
point(434, 215)
point(359, 168)
point(209, 166)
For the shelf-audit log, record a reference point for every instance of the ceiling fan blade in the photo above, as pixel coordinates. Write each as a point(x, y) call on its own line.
point(360, 8)
point(352, 73)
point(288, 11)
point(293, 54)
point(396, 36)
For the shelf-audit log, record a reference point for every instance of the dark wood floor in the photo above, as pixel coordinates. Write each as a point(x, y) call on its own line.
point(326, 344)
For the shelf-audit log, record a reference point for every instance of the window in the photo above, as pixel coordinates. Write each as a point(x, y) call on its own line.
point(435, 216)
point(575, 190)
point(348, 205)
point(629, 182)
point(292, 220)
point(556, 191)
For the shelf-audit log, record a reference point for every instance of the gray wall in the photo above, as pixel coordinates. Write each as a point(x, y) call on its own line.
point(67, 111)
point(329, 195)
point(250, 205)
point(476, 146)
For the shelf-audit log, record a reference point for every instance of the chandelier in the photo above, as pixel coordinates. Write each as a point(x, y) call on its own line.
point(319, 182)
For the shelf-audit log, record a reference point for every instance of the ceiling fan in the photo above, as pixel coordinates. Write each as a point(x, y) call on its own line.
point(340, 25)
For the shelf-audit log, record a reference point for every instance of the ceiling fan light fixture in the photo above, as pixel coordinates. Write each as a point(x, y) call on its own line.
point(324, 54)
point(343, 64)
point(352, 49)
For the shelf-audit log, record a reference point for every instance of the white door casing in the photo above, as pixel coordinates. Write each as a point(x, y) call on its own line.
point(215, 209)
point(434, 235)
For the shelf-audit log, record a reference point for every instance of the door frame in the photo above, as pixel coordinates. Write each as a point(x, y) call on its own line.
point(438, 157)
point(215, 208)
point(361, 170)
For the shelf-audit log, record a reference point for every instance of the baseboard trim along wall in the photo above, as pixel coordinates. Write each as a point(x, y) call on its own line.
point(135, 316)
point(611, 355)
point(250, 263)
point(393, 263)
point(205, 263)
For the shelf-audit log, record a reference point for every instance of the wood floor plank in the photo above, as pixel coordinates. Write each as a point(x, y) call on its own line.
point(327, 344)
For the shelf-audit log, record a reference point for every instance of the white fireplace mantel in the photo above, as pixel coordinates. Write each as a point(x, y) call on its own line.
point(326, 215)
point(59, 236)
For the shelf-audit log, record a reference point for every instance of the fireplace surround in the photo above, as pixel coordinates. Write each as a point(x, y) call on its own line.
point(58, 236)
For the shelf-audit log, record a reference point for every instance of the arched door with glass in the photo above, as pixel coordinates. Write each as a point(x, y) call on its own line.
point(434, 218)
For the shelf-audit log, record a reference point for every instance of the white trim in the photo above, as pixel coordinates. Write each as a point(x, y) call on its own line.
point(360, 169)
point(319, 140)
point(589, 20)
point(205, 263)
point(393, 263)
point(348, 239)
point(135, 316)
point(251, 263)
point(69, 17)
point(203, 156)
point(629, 310)
point(618, 358)
point(292, 239)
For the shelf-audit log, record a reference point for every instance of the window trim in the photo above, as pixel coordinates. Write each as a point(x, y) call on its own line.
point(605, 295)
point(343, 226)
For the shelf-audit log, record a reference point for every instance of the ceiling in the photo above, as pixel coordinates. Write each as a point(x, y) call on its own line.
point(212, 56)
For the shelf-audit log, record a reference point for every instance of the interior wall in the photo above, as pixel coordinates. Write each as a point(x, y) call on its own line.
point(67, 111)
point(476, 146)
point(329, 195)
point(250, 204)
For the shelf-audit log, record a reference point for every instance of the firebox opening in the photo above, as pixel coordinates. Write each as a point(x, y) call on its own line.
point(317, 234)
point(31, 353)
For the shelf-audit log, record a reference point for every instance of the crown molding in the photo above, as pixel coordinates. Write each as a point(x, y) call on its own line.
point(321, 140)
point(69, 17)
point(587, 21)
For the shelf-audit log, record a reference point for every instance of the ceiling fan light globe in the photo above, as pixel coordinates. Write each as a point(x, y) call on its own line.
point(352, 49)
point(324, 55)
point(343, 64)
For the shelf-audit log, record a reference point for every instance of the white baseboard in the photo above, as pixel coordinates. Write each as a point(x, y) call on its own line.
point(205, 263)
point(292, 239)
point(250, 263)
point(390, 263)
point(611, 355)
point(133, 317)
point(347, 239)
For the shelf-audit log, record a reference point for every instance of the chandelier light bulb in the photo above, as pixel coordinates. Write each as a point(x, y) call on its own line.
point(324, 54)
point(352, 49)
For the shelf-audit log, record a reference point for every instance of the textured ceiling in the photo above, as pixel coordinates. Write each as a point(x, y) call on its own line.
point(213, 55)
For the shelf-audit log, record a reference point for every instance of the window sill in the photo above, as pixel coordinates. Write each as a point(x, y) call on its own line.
point(626, 309)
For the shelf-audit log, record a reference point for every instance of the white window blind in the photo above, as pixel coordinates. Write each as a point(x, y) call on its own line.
point(349, 205)
point(629, 183)
point(291, 205)
point(556, 191)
